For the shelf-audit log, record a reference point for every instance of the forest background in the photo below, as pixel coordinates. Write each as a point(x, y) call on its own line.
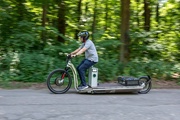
point(133, 37)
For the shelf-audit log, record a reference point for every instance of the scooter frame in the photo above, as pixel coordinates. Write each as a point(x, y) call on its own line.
point(100, 89)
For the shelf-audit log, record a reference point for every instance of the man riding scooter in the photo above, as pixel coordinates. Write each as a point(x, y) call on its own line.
point(91, 57)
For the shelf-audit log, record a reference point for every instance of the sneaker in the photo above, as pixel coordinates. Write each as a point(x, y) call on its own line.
point(83, 87)
point(80, 85)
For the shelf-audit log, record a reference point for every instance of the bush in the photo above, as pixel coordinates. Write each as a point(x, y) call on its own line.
point(154, 68)
point(35, 66)
point(31, 67)
point(108, 69)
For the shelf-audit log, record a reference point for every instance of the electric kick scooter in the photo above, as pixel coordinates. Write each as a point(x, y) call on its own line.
point(59, 81)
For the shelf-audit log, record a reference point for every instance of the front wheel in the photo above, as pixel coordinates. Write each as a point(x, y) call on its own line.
point(59, 81)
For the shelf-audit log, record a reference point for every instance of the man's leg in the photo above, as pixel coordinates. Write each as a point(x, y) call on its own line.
point(82, 68)
point(78, 71)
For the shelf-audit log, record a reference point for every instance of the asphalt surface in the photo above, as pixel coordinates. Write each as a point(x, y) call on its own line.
point(28, 104)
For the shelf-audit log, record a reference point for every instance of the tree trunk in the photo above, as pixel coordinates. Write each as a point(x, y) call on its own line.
point(157, 17)
point(125, 40)
point(147, 15)
point(94, 19)
point(44, 19)
point(78, 18)
point(137, 14)
point(106, 16)
point(61, 20)
point(20, 9)
point(157, 12)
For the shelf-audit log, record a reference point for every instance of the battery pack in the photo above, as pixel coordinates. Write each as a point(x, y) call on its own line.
point(93, 76)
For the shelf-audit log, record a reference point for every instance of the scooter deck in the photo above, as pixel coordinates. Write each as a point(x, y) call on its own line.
point(112, 88)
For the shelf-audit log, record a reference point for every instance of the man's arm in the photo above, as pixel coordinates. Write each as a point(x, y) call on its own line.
point(74, 52)
point(81, 51)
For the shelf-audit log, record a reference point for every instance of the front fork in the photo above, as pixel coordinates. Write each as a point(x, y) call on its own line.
point(60, 80)
point(63, 75)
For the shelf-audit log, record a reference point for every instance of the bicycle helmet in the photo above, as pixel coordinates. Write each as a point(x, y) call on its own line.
point(84, 34)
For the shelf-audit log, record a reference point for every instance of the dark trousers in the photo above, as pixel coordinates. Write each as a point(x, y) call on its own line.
point(82, 67)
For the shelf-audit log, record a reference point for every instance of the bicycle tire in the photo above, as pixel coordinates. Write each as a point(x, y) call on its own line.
point(148, 85)
point(57, 84)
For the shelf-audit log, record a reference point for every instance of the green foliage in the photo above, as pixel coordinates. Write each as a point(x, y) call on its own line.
point(108, 69)
point(24, 37)
point(27, 56)
point(35, 66)
point(154, 68)
point(108, 49)
point(31, 67)
point(5, 65)
point(145, 44)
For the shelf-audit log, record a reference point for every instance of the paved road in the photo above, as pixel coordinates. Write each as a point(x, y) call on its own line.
point(28, 104)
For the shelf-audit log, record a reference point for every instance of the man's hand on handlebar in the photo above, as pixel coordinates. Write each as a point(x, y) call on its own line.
point(71, 55)
point(74, 55)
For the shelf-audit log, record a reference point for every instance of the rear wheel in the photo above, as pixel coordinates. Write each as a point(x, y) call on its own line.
point(59, 81)
point(147, 85)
